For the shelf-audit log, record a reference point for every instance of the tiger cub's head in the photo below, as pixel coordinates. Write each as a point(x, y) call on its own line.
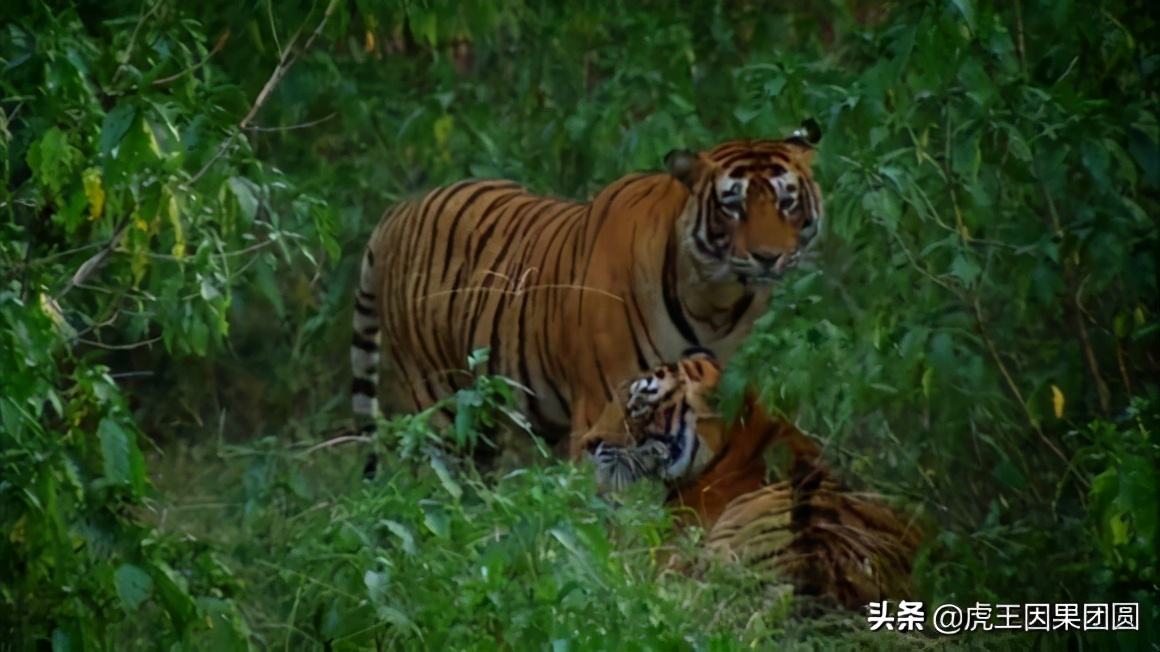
point(753, 205)
point(674, 432)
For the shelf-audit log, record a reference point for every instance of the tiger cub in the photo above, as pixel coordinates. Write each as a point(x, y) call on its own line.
point(809, 529)
point(663, 427)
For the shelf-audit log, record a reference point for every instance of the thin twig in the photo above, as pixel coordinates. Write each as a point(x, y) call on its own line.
point(362, 439)
point(120, 347)
point(221, 151)
point(221, 42)
point(520, 291)
point(1074, 292)
point(94, 262)
point(303, 125)
point(921, 270)
point(1011, 381)
point(289, 57)
point(520, 288)
point(133, 40)
point(131, 374)
point(1020, 46)
point(100, 324)
point(273, 26)
point(225, 254)
point(959, 226)
point(30, 263)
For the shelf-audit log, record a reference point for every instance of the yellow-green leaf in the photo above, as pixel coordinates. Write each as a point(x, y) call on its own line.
point(94, 192)
point(1057, 401)
point(174, 215)
point(442, 130)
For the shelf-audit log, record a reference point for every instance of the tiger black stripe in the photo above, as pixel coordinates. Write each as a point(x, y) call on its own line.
point(672, 301)
point(656, 353)
point(458, 284)
point(599, 224)
point(451, 232)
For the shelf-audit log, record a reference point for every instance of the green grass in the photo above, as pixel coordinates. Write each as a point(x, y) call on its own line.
point(419, 559)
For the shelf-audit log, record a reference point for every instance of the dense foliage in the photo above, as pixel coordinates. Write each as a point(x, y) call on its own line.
point(186, 188)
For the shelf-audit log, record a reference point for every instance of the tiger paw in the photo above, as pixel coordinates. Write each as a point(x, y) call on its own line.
point(619, 466)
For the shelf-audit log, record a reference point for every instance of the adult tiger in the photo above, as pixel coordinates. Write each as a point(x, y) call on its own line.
point(574, 298)
point(808, 529)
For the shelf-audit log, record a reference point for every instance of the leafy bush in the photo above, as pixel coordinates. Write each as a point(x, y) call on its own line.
point(186, 188)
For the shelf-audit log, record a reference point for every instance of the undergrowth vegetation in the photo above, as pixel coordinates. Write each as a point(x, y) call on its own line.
point(186, 187)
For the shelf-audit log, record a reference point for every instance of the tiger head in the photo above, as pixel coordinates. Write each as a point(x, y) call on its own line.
point(753, 206)
point(673, 430)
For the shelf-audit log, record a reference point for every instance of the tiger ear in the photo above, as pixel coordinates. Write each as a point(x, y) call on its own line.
point(685, 166)
point(806, 136)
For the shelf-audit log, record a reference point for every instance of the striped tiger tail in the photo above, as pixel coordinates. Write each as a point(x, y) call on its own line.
point(365, 343)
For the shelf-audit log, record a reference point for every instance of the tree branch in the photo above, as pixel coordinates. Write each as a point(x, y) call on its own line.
point(1011, 381)
point(1081, 331)
point(289, 58)
point(94, 262)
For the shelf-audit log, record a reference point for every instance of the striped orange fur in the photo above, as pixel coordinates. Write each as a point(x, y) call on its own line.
point(574, 298)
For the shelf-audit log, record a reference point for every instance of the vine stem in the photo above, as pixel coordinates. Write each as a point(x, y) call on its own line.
point(1020, 46)
point(1074, 290)
point(1011, 380)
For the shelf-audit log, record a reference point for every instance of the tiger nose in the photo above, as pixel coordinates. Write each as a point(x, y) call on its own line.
point(766, 260)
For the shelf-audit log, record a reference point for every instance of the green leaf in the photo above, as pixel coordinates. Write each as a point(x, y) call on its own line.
point(246, 193)
point(114, 126)
point(173, 594)
point(133, 586)
point(965, 269)
point(967, 9)
point(746, 115)
point(883, 204)
point(266, 283)
point(51, 159)
point(445, 478)
point(116, 451)
point(1139, 490)
point(404, 534)
point(1017, 144)
point(1134, 209)
point(61, 641)
point(377, 584)
point(967, 157)
point(437, 522)
point(198, 336)
point(396, 617)
point(425, 26)
point(1008, 474)
point(477, 358)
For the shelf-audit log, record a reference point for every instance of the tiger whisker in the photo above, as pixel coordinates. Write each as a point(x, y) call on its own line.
point(519, 291)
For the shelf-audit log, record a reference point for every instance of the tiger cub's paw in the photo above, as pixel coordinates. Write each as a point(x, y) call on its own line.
point(619, 466)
